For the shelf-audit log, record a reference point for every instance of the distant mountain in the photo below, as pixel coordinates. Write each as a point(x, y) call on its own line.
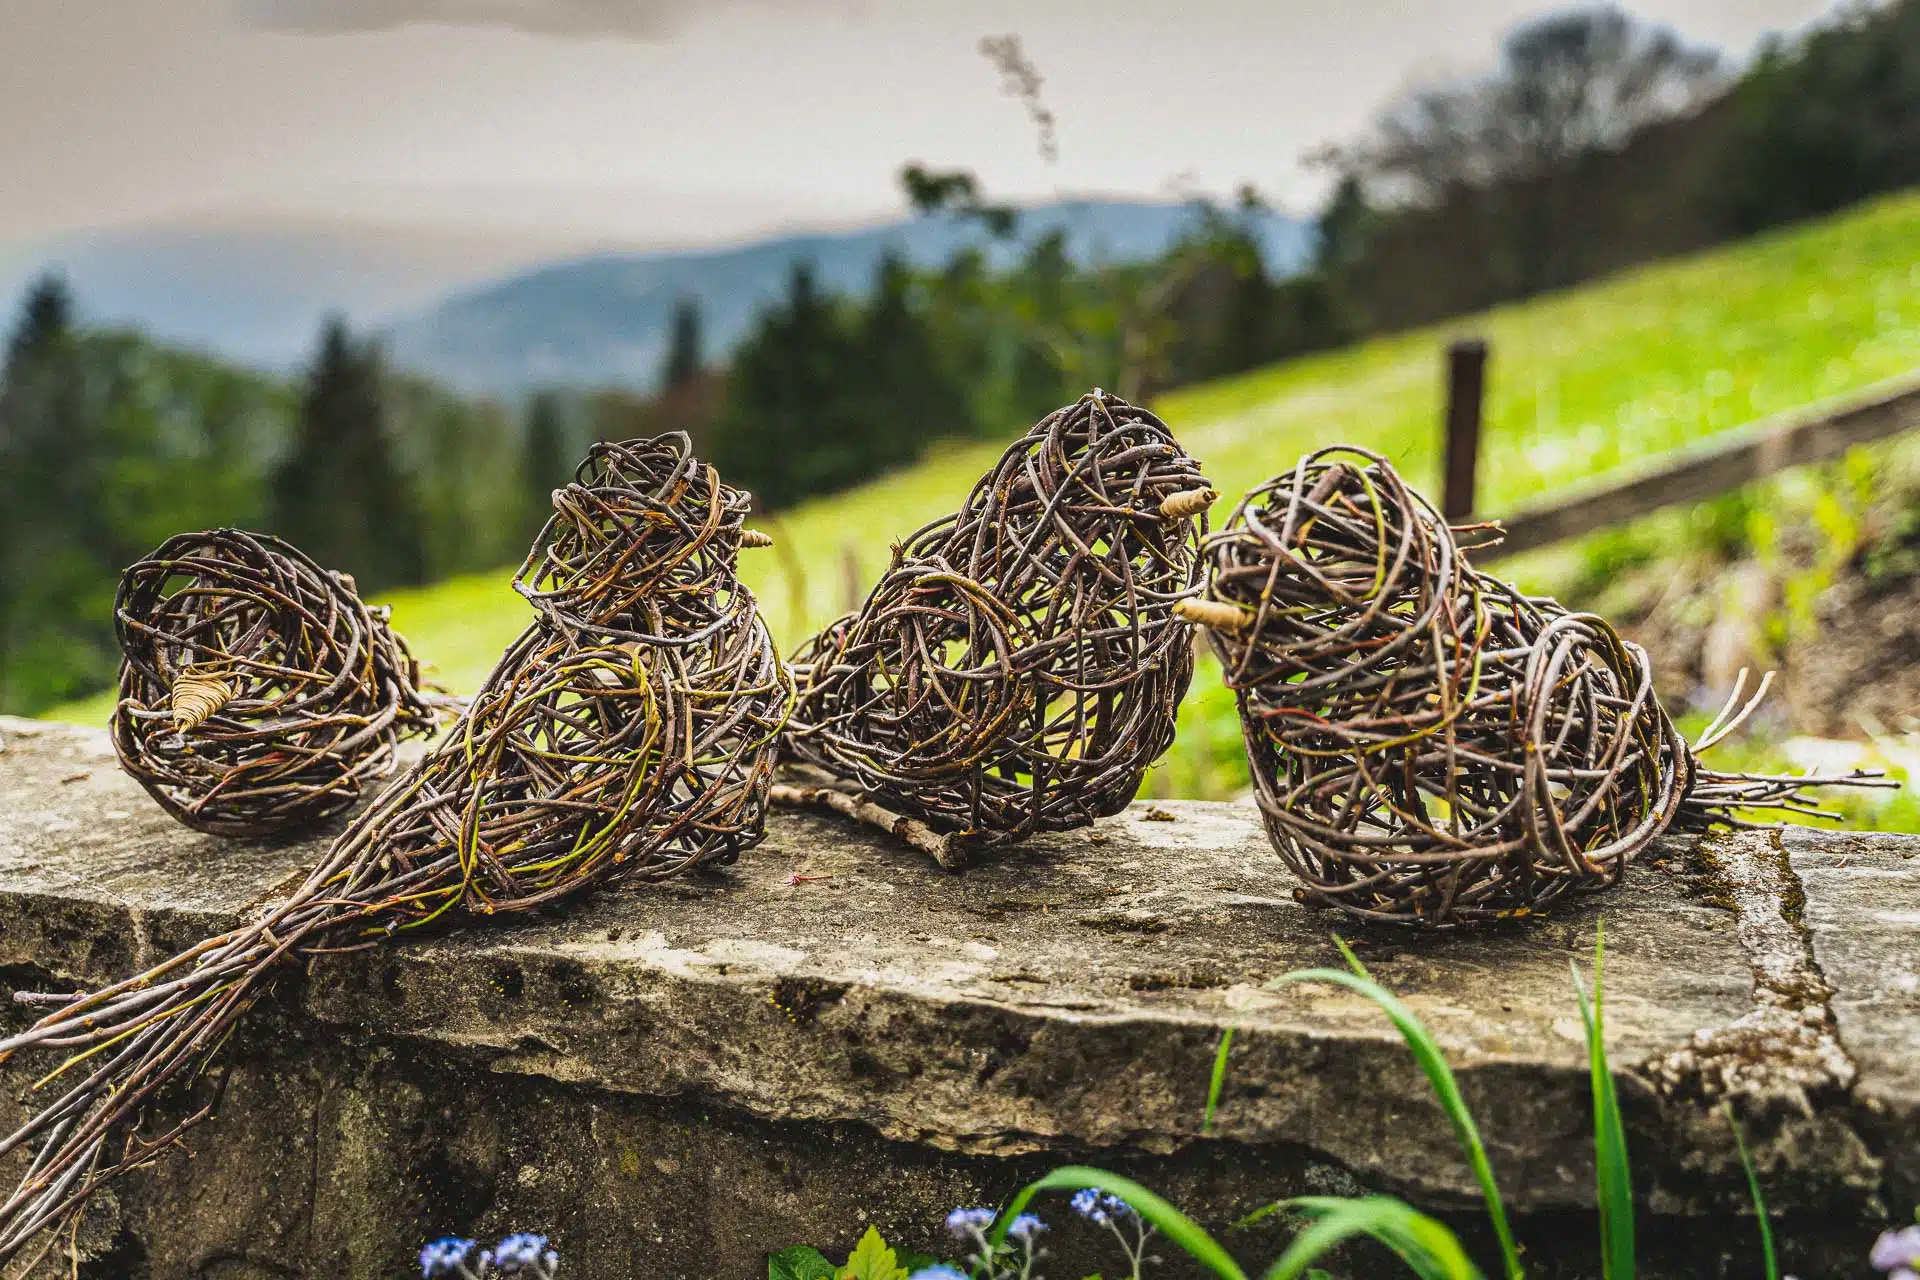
point(254, 290)
point(500, 314)
point(604, 319)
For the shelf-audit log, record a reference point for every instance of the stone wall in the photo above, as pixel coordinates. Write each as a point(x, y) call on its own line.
point(674, 1080)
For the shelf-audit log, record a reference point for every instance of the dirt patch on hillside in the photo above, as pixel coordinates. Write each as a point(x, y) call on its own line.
point(1846, 663)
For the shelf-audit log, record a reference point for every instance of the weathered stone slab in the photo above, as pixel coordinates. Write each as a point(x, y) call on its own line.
point(837, 1031)
point(1863, 916)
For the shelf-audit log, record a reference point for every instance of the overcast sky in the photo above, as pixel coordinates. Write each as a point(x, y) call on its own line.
point(689, 121)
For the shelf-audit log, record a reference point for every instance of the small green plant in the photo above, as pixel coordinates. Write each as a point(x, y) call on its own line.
point(1427, 1247)
point(1426, 1052)
point(1614, 1181)
point(1753, 1189)
point(1724, 526)
point(1895, 555)
point(872, 1259)
point(1219, 1079)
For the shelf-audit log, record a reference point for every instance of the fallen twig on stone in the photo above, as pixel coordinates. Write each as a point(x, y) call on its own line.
point(949, 849)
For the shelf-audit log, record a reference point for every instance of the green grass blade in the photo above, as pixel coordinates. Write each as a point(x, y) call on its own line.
point(1429, 1249)
point(1427, 1054)
point(1314, 1206)
point(1759, 1200)
point(1353, 961)
point(1614, 1179)
point(1173, 1224)
point(1219, 1078)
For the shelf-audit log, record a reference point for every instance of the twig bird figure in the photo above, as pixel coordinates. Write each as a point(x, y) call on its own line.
point(257, 691)
point(629, 733)
point(1429, 745)
point(1019, 666)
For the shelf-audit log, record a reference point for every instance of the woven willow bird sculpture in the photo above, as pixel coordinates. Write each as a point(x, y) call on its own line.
point(629, 733)
point(257, 691)
point(1019, 666)
point(1428, 745)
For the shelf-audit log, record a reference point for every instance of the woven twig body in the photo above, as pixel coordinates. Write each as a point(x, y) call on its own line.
point(629, 733)
point(1427, 744)
point(1018, 667)
point(257, 691)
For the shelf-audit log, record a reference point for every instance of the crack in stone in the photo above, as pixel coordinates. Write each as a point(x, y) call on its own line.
point(1881, 1107)
point(1787, 1047)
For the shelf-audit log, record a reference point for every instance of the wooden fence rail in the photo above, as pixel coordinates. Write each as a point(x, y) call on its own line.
point(1884, 409)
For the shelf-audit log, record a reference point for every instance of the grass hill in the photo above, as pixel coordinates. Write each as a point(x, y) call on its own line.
point(1580, 382)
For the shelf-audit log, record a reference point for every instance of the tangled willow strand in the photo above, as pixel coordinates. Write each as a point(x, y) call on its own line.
point(257, 691)
point(629, 733)
point(1427, 744)
point(1019, 665)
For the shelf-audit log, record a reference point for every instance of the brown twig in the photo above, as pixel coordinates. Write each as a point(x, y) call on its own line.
point(950, 850)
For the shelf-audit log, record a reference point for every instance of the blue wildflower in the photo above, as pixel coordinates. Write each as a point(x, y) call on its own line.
point(1086, 1203)
point(444, 1257)
point(941, 1272)
point(524, 1253)
point(1026, 1227)
point(967, 1222)
point(1102, 1209)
